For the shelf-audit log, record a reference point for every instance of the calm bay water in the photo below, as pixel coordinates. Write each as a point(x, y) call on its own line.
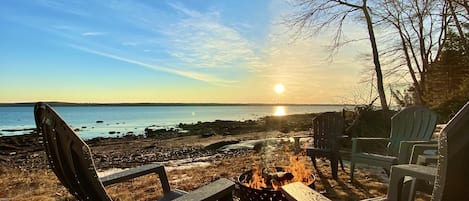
point(125, 119)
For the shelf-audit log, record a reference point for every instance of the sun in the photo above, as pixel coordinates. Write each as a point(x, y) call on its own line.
point(279, 88)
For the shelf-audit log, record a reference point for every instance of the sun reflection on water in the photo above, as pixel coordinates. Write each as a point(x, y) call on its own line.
point(279, 111)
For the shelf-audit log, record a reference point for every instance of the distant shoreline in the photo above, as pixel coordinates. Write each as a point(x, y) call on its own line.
point(67, 104)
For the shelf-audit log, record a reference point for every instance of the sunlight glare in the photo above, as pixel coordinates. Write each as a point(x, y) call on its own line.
point(279, 111)
point(279, 88)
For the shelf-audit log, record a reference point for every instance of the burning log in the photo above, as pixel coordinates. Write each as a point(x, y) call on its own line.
point(263, 178)
point(264, 184)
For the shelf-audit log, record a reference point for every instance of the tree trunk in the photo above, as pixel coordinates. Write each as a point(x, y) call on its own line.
point(459, 28)
point(379, 74)
point(417, 87)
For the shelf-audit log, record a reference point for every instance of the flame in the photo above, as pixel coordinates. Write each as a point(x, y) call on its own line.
point(297, 167)
point(257, 180)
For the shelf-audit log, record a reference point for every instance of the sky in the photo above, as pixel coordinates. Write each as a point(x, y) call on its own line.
point(198, 51)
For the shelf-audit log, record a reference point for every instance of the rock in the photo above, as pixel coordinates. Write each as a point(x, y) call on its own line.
point(76, 129)
point(16, 130)
point(163, 132)
point(112, 132)
point(150, 146)
point(217, 145)
point(258, 146)
point(205, 135)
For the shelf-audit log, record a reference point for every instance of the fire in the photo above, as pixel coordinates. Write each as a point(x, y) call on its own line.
point(275, 178)
point(257, 179)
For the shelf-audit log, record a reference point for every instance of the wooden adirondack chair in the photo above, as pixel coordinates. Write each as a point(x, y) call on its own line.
point(410, 126)
point(328, 128)
point(451, 176)
point(71, 160)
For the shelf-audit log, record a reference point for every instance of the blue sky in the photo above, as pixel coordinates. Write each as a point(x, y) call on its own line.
point(166, 51)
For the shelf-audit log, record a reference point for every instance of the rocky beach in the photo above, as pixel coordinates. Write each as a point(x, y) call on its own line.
point(193, 152)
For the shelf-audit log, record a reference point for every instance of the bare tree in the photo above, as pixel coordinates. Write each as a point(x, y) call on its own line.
point(461, 3)
point(455, 14)
point(314, 16)
point(421, 27)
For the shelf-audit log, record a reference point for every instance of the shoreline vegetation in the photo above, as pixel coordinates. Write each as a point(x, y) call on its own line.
point(192, 159)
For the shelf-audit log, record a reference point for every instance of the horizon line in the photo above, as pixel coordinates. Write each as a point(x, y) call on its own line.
point(60, 103)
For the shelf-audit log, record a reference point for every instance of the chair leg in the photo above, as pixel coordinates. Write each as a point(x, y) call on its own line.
point(341, 163)
point(408, 189)
point(395, 186)
point(313, 159)
point(352, 169)
point(334, 166)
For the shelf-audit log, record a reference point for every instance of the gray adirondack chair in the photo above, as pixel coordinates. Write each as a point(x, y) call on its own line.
point(451, 176)
point(328, 128)
point(71, 160)
point(410, 126)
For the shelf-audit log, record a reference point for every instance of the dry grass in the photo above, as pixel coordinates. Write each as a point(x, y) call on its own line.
point(42, 184)
point(30, 185)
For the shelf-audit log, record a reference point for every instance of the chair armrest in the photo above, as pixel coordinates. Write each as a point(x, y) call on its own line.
point(299, 191)
point(406, 147)
point(419, 149)
point(137, 172)
point(342, 137)
point(221, 189)
point(427, 160)
point(357, 141)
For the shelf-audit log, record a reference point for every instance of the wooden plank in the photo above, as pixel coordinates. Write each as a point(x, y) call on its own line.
point(221, 189)
point(299, 191)
point(132, 173)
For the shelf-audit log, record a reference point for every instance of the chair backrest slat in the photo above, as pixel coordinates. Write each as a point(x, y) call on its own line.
point(69, 157)
point(412, 123)
point(326, 128)
point(452, 181)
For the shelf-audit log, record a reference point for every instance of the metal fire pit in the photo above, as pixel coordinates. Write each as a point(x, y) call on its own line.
point(246, 193)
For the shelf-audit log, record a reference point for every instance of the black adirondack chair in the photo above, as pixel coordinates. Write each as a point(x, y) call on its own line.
point(71, 160)
point(328, 128)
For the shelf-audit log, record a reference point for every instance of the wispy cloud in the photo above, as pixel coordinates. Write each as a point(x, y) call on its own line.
point(66, 7)
point(93, 33)
point(178, 6)
point(192, 75)
point(201, 39)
